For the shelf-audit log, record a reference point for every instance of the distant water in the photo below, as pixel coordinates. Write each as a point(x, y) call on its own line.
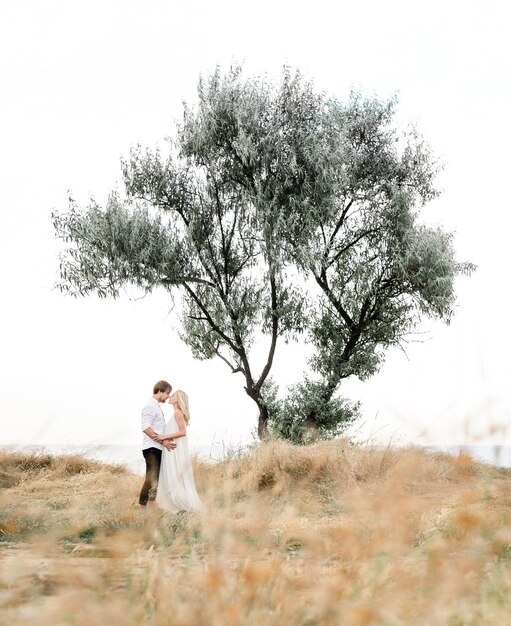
point(131, 456)
point(495, 455)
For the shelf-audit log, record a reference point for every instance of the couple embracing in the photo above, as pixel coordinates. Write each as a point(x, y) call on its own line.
point(169, 475)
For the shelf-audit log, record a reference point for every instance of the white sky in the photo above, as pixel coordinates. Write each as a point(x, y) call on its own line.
point(82, 81)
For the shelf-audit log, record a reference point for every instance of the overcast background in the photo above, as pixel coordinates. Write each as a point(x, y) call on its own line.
point(82, 81)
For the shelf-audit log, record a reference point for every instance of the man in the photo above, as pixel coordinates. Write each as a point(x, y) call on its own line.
point(153, 424)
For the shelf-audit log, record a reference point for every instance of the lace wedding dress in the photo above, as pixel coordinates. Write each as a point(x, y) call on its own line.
point(176, 487)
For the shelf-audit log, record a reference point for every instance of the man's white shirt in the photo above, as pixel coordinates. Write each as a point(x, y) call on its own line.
point(152, 416)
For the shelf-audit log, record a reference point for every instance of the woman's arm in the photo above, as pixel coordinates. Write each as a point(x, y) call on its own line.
point(179, 433)
point(156, 437)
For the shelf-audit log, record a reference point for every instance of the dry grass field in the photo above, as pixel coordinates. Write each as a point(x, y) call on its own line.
point(328, 534)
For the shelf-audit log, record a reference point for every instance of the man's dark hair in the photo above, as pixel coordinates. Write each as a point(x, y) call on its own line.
point(162, 385)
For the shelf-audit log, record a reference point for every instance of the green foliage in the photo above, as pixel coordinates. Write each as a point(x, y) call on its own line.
point(116, 246)
point(310, 413)
point(377, 268)
point(277, 211)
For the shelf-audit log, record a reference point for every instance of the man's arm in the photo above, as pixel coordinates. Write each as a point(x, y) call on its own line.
point(170, 445)
point(150, 433)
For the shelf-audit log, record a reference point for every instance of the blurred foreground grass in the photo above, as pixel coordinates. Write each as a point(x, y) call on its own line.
point(327, 534)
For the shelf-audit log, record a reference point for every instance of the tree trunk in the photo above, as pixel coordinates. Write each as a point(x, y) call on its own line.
point(264, 415)
point(335, 377)
point(262, 425)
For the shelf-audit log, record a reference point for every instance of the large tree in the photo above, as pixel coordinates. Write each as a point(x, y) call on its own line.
point(354, 232)
point(266, 191)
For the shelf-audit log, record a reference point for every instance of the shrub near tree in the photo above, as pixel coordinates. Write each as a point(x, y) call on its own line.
point(276, 212)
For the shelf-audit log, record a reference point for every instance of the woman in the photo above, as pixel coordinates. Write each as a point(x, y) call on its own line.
point(176, 487)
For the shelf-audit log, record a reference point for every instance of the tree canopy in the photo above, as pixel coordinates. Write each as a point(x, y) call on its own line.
point(276, 211)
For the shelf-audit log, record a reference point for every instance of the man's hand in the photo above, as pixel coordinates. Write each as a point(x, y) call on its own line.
point(169, 445)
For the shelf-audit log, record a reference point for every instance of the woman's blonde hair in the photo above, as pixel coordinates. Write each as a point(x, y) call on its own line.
point(182, 403)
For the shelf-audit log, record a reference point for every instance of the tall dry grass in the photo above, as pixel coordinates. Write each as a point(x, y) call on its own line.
point(327, 534)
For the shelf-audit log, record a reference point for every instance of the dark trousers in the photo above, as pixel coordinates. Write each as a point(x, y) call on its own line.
point(152, 458)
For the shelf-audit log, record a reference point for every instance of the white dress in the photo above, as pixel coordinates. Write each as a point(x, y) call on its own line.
point(176, 487)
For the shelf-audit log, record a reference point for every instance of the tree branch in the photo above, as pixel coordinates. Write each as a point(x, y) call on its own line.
point(185, 280)
point(234, 370)
point(345, 248)
point(274, 333)
point(323, 283)
point(340, 222)
point(210, 320)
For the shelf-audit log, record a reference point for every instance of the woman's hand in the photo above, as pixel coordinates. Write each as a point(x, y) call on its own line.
point(166, 440)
